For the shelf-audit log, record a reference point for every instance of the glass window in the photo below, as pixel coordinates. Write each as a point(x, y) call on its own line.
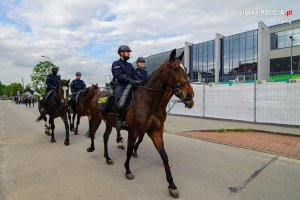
point(249, 33)
point(249, 54)
point(242, 54)
point(287, 41)
point(280, 34)
point(242, 43)
point(255, 40)
point(249, 42)
point(296, 39)
point(235, 56)
point(226, 46)
point(255, 53)
point(280, 42)
point(242, 35)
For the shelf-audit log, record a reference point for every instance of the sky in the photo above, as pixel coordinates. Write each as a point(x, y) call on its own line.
point(85, 35)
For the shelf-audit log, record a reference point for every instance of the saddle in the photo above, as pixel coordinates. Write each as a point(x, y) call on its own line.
point(107, 104)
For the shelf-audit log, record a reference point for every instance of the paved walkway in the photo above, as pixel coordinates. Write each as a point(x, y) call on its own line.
point(172, 125)
point(285, 145)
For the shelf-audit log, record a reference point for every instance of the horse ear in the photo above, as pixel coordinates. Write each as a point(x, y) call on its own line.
point(172, 55)
point(181, 56)
point(68, 81)
point(96, 85)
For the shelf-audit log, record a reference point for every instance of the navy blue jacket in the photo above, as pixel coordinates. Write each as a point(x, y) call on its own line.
point(77, 85)
point(141, 74)
point(52, 82)
point(122, 72)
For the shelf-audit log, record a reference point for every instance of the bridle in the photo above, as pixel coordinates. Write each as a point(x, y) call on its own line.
point(176, 88)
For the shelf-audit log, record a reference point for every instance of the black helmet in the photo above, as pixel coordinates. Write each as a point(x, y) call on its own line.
point(141, 59)
point(54, 69)
point(78, 74)
point(123, 48)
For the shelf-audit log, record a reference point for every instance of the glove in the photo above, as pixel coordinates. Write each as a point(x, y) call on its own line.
point(135, 83)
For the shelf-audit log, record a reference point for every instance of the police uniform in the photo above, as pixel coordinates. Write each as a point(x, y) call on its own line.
point(77, 86)
point(52, 82)
point(123, 73)
point(141, 74)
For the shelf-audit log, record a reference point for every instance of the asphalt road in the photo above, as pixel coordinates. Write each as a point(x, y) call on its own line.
point(33, 168)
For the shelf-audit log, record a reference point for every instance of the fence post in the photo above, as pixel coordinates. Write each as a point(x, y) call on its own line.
point(203, 81)
point(255, 97)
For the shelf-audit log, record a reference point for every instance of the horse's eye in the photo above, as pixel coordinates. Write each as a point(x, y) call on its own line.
point(177, 69)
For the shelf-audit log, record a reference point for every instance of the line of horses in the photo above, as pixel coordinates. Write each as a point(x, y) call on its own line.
point(146, 114)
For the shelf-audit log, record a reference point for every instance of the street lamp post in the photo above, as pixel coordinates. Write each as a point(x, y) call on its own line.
point(292, 39)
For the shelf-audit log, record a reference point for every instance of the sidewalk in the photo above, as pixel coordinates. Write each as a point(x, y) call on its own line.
point(285, 145)
point(176, 124)
point(276, 139)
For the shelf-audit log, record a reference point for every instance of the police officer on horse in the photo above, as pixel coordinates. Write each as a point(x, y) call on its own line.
point(52, 82)
point(141, 72)
point(124, 77)
point(77, 85)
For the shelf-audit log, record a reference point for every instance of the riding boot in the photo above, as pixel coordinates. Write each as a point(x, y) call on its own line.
point(118, 120)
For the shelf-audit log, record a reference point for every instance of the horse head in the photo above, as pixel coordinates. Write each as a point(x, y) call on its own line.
point(175, 77)
point(63, 91)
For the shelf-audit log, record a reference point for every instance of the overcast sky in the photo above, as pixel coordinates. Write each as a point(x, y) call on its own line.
point(83, 35)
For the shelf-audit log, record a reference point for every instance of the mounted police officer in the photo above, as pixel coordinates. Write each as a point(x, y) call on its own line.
point(77, 85)
point(52, 82)
point(140, 71)
point(123, 78)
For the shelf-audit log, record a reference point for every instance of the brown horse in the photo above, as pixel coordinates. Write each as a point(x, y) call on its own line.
point(83, 108)
point(147, 113)
point(57, 107)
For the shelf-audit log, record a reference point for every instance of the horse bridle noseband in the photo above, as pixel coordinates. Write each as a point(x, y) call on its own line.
point(176, 88)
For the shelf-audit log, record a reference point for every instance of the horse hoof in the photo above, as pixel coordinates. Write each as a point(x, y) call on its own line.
point(71, 129)
point(53, 140)
point(129, 176)
point(121, 147)
point(109, 162)
point(90, 149)
point(135, 154)
point(67, 142)
point(76, 132)
point(174, 193)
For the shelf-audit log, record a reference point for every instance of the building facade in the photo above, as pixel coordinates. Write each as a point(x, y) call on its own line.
point(255, 54)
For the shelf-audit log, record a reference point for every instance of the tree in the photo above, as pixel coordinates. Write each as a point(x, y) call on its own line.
point(39, 74)
point(2, 89)
point(13, 88)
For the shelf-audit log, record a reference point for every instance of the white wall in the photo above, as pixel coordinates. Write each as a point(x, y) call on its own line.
point(277, 103)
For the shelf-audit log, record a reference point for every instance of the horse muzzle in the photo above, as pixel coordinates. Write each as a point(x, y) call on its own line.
point(187, 99)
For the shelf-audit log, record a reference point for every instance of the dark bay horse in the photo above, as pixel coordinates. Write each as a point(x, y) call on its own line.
point(147, 113)
point(83, 108)
point(57, 107)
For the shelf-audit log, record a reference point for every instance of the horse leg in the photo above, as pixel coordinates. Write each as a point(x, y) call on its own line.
point(65, 119)
point(136, 146)
point(130, 145)
point(93, 126)
point(158, 142)
point(70, 121)
point(107, 132)
point(77, 124)
point(46, 127)
point(120, 140)
point(51, 121)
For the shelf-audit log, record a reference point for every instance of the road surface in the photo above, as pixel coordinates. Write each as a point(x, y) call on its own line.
point(33, 168)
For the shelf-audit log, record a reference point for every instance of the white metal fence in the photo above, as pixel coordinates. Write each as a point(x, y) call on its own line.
point(268, 102)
